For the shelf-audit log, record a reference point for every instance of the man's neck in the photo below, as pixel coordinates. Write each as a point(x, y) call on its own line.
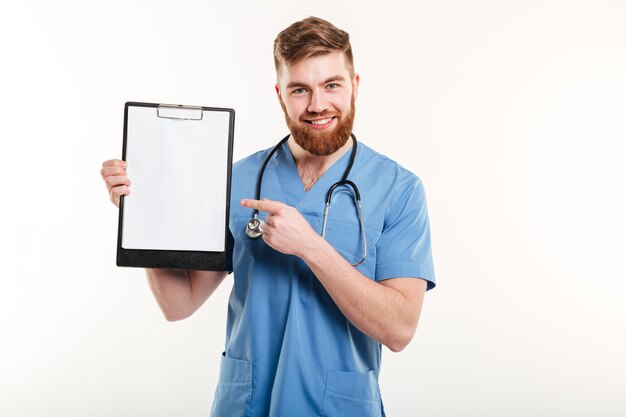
point(312, 167)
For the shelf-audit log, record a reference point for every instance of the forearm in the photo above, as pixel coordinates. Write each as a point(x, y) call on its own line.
point(180, 293)
point(380, 311)
point(387, 311)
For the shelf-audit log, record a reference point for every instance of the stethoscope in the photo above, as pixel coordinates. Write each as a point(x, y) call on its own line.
point(254, 228)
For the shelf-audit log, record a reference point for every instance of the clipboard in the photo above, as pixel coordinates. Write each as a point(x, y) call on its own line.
point(180, 165)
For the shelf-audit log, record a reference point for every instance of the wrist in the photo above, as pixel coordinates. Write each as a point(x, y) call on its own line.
point(313, 247)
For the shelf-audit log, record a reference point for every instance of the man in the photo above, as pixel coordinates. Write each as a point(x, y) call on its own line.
point(305, 326)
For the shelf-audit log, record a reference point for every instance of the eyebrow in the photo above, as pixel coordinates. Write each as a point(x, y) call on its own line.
point(328, 80)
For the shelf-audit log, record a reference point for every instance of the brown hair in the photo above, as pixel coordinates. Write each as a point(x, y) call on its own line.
point(309, 37)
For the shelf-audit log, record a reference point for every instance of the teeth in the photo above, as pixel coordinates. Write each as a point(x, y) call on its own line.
point(321, 122)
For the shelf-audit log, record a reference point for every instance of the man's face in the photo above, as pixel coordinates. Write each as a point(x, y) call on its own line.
point(317, 95)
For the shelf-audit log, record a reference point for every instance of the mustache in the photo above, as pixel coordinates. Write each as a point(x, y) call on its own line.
point(321, 115)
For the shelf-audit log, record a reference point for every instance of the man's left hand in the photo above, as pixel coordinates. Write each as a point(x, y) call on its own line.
point(285, 229)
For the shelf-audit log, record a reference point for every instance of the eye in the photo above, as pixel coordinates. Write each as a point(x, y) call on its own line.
point(332, 86)
point(299, 91)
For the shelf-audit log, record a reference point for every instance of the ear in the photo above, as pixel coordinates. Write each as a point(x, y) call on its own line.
point(355, 85)
point(278, 95)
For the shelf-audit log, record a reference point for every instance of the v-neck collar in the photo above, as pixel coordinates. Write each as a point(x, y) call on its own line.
point(291, 185)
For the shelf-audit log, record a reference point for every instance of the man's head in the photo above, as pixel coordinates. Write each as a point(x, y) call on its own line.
point(309, 37)
point(316, 84)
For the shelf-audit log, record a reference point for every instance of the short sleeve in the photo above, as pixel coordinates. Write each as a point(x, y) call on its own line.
point(404, 248)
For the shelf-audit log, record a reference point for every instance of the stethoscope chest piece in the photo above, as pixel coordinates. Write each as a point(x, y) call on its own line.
point(254, 229)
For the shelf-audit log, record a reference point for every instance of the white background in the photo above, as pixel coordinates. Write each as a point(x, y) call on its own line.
point(512, 113)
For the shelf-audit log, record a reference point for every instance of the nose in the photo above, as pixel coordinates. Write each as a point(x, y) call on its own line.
point(318, 102)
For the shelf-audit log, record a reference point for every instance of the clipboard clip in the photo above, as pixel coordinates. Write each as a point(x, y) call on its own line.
point(179, 112)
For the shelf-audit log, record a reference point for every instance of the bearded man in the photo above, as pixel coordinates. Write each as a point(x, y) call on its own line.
point(308, 313)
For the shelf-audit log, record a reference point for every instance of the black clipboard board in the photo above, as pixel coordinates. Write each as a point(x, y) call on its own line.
point(180, 164)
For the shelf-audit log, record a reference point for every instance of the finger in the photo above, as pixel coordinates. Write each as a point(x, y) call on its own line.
point(267, 238)
point(115, 181)
point(268, 206)
point(112, 170)
point(114, 162)
point(274, 221)
point(271, 222)
point(117, 192)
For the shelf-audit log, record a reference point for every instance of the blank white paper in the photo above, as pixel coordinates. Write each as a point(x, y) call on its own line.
point(178, 171)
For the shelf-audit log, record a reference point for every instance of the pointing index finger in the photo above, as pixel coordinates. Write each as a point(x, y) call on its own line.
point(266, 206)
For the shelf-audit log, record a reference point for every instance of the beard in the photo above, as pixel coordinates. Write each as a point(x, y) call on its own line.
point(322, 143)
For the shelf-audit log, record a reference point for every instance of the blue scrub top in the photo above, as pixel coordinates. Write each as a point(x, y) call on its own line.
point(289, 349)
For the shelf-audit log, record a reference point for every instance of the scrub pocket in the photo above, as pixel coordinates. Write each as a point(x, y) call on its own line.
point(234, 388)
point(347, 240)
point(351, 394)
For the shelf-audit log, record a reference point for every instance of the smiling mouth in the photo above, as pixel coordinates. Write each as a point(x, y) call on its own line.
point(321, 123)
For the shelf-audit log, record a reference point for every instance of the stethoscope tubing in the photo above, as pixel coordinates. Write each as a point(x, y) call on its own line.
point(357, 201)
point(254, 228)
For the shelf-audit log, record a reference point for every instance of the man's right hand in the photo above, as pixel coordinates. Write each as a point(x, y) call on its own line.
point(114, 175)
point(179, 293)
